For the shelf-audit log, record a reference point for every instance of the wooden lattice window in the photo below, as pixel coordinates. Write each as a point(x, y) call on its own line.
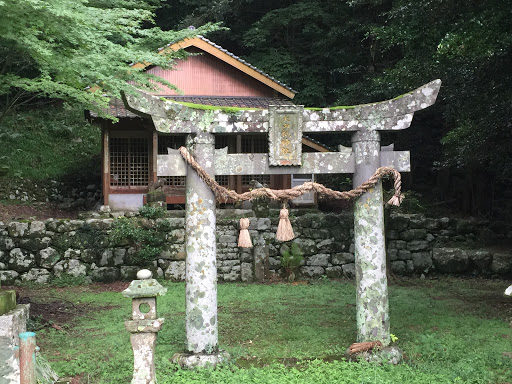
point(223, 141)
point(129, 161)
point(262, 179)
point(255, 144)
point(173, 142)
point(173, 181)
point(222, 180)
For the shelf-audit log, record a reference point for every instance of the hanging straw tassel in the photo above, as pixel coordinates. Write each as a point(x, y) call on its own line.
point(284, 229)
point(396, 200)
point(244, 239)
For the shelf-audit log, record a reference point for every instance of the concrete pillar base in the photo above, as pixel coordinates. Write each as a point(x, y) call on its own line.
point(200, 360)
point(11, 325)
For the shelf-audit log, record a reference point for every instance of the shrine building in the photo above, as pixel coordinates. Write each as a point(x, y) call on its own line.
point(212, 76)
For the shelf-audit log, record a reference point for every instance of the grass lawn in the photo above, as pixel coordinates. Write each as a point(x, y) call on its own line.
point(451, 331)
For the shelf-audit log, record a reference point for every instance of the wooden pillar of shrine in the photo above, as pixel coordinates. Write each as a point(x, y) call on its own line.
point(105, 172)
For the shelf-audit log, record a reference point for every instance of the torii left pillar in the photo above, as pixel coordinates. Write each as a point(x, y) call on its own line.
point(201, 264)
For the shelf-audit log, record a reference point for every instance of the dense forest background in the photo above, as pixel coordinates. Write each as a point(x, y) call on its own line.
point(345, 53)
point(358, 51)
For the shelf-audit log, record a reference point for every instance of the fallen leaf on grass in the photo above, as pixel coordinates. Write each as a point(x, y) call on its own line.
point(58, 327)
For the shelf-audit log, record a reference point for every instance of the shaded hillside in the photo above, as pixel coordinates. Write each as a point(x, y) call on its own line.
point(49, 164)
point(52, 143)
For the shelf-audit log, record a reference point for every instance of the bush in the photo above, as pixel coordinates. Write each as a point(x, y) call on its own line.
point(291, 260)
point(146, 241)
point(151, 212)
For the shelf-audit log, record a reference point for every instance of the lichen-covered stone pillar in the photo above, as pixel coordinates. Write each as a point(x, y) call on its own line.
point(372, 306)
point(201, 263)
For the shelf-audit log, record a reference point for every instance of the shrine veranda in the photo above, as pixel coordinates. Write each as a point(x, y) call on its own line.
point(284, 126)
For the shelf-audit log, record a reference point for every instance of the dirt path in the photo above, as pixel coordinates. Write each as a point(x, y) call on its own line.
point(48, 309)
point(35, 211)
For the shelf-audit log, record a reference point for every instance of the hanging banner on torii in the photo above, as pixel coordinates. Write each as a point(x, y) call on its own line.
point(285, 135)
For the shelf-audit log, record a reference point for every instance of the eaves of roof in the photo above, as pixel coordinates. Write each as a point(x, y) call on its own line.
point(117, 108)
point(315, 144)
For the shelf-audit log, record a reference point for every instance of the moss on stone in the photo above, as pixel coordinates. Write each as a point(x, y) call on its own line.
point(233, 110)
point(7, 301)
point(332, 108)
point(228, 110)
point(400, 96)
point(144, 288)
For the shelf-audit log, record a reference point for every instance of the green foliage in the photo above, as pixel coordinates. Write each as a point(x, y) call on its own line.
point(146, 239)
point(412, 203)
point(50, 143)
point(34, 323)
point(291, 259)
point(469, 46)
point(285, 41)
point(311, 372)
point(60, 49)
point(361, 51)
point(151, 212)
point(67, 280)
point(44, 372)
point(148, 253)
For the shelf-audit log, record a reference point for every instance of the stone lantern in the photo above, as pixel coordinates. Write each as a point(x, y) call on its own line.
point(144, 325)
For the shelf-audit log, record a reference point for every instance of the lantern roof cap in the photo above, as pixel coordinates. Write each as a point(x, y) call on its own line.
point(146, 287)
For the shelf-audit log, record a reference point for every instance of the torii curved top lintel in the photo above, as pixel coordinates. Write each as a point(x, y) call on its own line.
point(395, 114)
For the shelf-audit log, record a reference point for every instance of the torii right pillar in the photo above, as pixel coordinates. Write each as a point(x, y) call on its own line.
point(372, 305)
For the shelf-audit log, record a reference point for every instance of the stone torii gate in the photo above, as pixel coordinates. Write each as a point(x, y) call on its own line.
point(284, 125)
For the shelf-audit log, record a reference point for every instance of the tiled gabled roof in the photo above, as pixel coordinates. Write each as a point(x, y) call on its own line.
point(246, 63)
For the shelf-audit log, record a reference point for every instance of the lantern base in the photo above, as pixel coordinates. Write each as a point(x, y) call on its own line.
point(200, 360)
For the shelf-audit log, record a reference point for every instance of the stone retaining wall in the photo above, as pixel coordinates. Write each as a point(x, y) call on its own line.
point(65, 196)
point(41, 250)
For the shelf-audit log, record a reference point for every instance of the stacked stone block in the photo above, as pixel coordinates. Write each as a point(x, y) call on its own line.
point(417, 244)
point(38, 251)
point(65, 196)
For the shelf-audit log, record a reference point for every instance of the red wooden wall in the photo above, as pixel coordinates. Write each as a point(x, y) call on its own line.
point(206, 75)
